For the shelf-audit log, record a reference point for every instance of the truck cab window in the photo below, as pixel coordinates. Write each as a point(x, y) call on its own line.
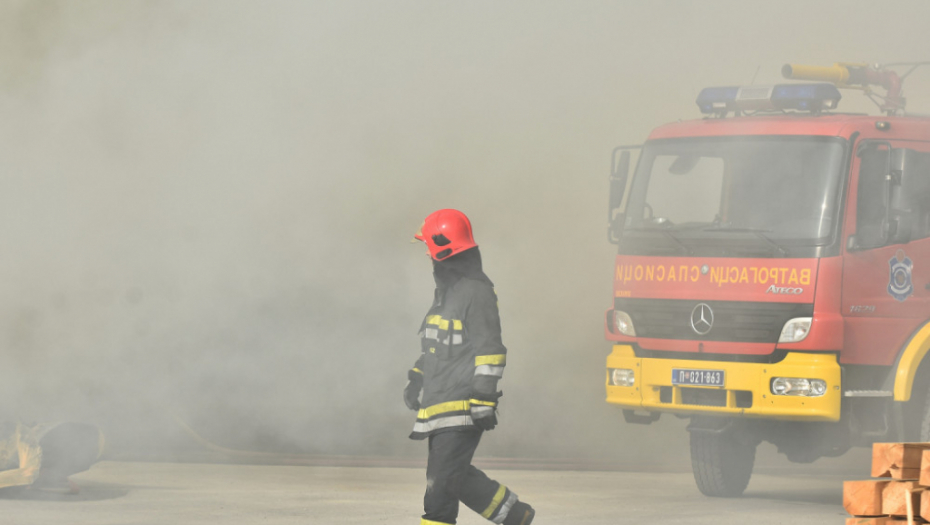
point(685, 189)
point(706, 188)
point(870, 203)
point(918, 195)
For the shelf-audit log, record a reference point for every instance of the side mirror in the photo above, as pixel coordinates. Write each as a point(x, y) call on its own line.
point(911, 170)
point(909, 184)
point(618, 177)
point(615, 228)
point(620, 171)
point(902, 176)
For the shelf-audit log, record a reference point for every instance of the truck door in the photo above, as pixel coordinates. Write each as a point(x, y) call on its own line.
point(886, 275)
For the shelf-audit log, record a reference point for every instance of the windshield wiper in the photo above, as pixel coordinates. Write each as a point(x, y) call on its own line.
point(759, 232)
point(668, 234)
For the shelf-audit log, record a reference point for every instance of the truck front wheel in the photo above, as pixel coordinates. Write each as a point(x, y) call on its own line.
point(722, 462)
point(925, 416)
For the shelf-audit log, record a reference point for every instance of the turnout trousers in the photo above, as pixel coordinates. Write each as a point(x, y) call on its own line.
point(450, 478)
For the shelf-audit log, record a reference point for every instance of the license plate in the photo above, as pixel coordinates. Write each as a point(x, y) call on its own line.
point(688, 376)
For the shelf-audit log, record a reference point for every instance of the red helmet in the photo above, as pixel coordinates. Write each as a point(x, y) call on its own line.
point(446, 233)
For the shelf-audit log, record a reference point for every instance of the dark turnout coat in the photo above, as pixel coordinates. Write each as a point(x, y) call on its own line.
point(462, 356)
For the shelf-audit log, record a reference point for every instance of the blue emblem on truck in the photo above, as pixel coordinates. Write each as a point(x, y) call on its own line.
point(899, 281)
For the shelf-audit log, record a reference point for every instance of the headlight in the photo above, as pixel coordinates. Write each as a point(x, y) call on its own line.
point(623, 323)
point(795, 330)
point(622, 377)
point(797, 386)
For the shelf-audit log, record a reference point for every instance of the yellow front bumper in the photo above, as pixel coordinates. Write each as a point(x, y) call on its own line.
point(747, 390)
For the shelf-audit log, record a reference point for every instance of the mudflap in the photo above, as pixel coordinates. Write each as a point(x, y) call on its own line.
point(630, 416)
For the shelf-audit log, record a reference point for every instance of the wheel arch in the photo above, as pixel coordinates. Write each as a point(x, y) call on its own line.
point(911, 361)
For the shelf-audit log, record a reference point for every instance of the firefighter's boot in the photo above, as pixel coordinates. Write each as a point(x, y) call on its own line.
point(520, 514)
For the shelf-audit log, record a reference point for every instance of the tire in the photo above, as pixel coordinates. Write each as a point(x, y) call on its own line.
point(925, 417)
point(721, 462)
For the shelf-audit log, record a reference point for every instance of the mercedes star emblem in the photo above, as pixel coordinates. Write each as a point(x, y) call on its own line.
point(702, 319)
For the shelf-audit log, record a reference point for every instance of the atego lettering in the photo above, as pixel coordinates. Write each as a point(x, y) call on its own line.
point(785, 291)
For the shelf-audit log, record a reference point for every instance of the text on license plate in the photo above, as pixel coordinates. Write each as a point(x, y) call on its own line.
point(687, 376)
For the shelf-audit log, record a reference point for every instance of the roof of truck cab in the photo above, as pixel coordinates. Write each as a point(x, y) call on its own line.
point(833, 125)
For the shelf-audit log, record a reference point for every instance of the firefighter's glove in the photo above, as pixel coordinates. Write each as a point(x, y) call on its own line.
point(484, 413)
point(412, 390)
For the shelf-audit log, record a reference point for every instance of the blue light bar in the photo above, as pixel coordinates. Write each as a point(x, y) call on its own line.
point(717, 99)
point(806, 97)
point(803, 97)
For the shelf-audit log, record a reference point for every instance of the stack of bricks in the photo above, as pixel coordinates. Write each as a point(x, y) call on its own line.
point(902, 494)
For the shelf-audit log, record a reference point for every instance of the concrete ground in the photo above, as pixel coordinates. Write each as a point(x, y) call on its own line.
point(178, 493)
point(158, 493)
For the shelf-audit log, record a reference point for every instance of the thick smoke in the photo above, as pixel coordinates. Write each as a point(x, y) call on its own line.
point(205, 207)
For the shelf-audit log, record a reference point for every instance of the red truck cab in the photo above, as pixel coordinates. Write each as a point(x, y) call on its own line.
point(772, 281)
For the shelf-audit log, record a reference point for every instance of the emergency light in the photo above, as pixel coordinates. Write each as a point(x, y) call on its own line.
point(801, 97)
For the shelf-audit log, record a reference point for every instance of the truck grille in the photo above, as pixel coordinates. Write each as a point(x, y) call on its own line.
point(705, 397)
point(734, 321)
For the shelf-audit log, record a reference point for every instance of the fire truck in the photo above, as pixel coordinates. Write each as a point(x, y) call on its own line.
point(772, 279)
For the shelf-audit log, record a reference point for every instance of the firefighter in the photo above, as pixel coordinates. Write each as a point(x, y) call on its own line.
point(462, 358)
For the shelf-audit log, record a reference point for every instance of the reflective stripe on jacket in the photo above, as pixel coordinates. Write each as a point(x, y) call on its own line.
point(462, 356)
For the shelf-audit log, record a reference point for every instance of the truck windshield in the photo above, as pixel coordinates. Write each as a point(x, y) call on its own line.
point(771, 190)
